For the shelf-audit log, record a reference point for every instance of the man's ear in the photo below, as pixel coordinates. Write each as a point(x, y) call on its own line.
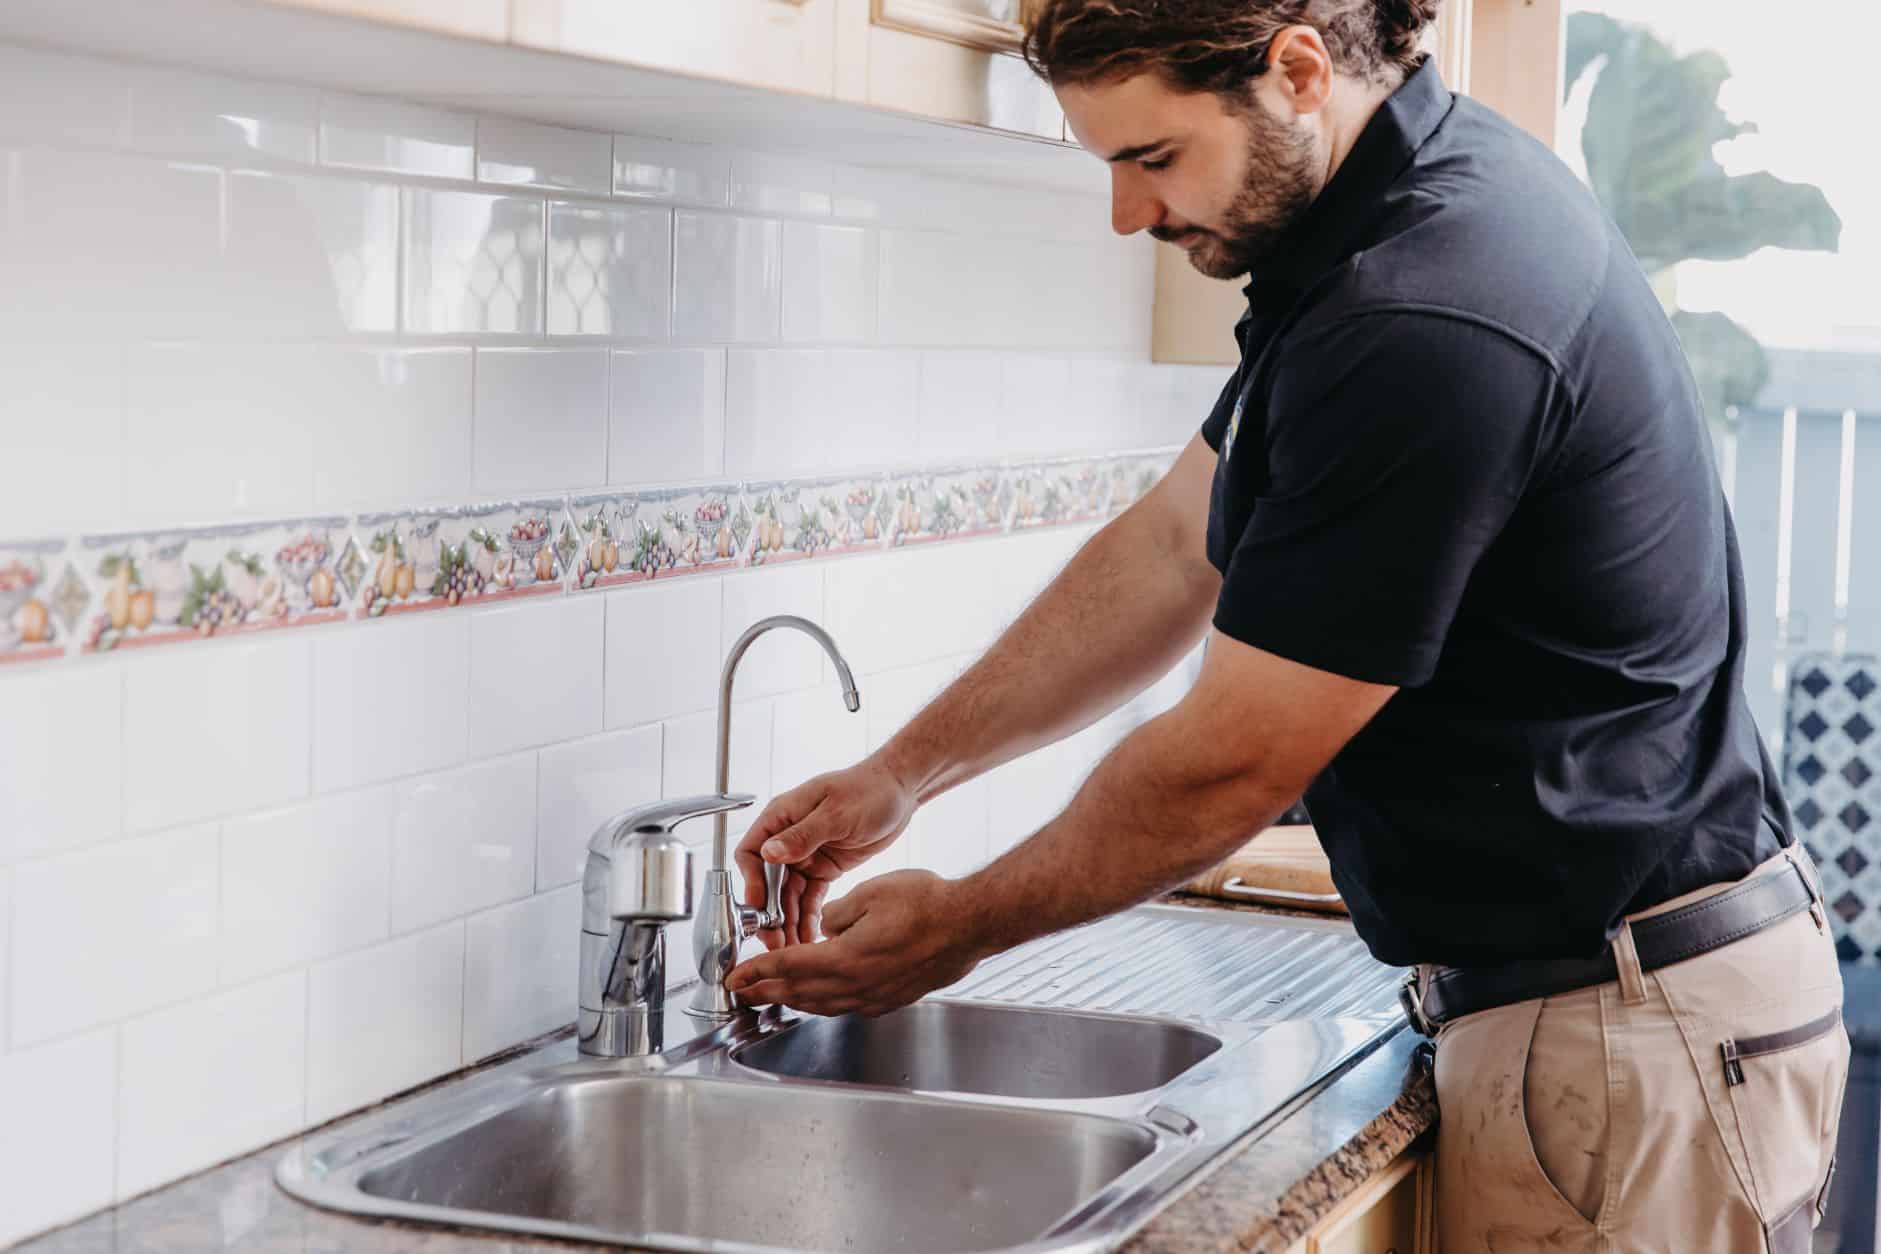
point(1301, 69)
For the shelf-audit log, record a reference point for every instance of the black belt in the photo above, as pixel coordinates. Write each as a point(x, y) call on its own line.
point(1661, 940)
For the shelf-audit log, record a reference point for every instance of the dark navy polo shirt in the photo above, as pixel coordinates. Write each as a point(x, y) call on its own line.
point(1464, 455)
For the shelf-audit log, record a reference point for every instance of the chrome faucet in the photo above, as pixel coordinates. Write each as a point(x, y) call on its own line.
point(723, 924)
point(638, 879)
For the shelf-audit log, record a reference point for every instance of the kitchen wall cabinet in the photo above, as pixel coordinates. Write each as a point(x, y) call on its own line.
point(956, 60)
point(1506, 53)
point(1393, 1213)
point(786, 45)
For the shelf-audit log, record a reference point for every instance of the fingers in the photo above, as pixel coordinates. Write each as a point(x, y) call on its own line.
point(810, 912)
point(842, 914)
point(792, 904)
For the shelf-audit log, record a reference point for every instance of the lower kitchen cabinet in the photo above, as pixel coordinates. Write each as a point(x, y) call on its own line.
point(1392, 1213)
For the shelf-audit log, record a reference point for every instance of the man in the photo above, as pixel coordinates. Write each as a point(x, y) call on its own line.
point(1468, 581)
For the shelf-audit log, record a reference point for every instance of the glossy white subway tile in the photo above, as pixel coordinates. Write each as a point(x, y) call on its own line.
point(774, 400)
point(210, 1079)
point(945, 290)
point(781, 660)
point(868, 417)
point(108, 932)
point(378, 133)
point(189, 113)
point(772, 183)
point(305, 882)
point(960, 411)
point(666, 416)
point(814, 733)
point(62, 424)
point(463, 840)
point(535, 674)
point(6, 960)
point(473, 263)
point(610, 270)
point(510, 150)
point(949, 835)
point(311, 254)
point(215, 731)
point(390, 699)
point(65, 1094)
point(583, 783)
point(726, 277)
point(690, 766)
point(541, 419)
point(1032, 408)
point(61, 760)
point(666, 169)
point(49, 98)
point(828, 282)
point(520, 967)
point(214, 433)
point(104, 246)
point(662, 650)
point(384, 1019)
point(399, 430)
point(914, 605)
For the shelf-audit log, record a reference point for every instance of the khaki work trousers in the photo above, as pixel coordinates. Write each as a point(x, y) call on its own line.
point(1609, 1120)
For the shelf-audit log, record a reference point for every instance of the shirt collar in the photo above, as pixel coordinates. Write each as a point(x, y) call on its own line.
point(1326, 234)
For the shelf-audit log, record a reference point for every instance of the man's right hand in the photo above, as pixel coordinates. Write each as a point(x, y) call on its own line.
point(821, 830)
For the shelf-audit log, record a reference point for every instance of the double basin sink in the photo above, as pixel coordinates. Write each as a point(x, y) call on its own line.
point(957, 1124)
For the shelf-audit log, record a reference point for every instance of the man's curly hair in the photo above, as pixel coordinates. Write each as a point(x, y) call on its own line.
point(1217, 45)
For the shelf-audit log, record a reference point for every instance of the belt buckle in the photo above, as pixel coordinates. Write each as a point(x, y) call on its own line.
point(1411, 998)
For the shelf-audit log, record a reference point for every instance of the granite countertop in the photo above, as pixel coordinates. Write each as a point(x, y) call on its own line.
point(1259, 1197)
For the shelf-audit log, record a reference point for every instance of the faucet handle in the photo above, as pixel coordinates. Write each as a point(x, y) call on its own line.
point(663, 816)
point(773, 895)
point(649, 869)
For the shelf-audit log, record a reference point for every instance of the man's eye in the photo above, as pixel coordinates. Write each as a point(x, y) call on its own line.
point(1157, 163)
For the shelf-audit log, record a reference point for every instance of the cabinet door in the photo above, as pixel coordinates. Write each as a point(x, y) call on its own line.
point(1387, 1216)
point(789, 45)
point(951, 59)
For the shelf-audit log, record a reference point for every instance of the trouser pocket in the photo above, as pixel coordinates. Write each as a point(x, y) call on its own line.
point(1785, 1090)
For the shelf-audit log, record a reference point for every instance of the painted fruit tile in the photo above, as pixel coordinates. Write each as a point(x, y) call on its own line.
point(1053, 494)
point(1132, 475)
point(35, 594)
point(601, 545)
point(403, 556)
point(163, 587)
point(511, 546)
point(816, 518)
point(950, 503)
point(684, 531)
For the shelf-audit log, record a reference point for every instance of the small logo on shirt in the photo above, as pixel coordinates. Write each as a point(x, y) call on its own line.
point(1234, 426)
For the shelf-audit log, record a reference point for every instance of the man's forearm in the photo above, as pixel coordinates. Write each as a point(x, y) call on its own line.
point(1159, 810)
point(1122, 612)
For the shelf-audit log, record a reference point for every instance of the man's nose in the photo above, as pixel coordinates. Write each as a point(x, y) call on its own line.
point(1132, 207)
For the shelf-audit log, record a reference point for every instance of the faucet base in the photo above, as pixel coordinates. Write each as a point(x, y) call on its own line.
point(714, 1002)
point(630, 1032)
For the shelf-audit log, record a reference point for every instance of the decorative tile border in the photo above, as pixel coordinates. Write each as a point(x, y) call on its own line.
point(102, 593)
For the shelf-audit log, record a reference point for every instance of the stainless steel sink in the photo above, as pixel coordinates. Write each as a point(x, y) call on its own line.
point(818, 1169)
point(1003, 1051)
point(1014, 1114)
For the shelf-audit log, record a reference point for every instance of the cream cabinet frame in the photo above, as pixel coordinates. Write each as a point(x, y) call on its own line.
point(1505, 53)
point(942, 20)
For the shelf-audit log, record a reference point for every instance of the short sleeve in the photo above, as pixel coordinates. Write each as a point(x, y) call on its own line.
point(1398, 445)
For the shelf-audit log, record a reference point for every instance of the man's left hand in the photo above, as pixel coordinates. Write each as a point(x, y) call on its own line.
point(890, 942)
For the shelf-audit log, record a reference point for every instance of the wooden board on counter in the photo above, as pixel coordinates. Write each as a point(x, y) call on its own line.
point(1283, 866)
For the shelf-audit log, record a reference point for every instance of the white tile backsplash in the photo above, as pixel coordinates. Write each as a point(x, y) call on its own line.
point(110, 931)
point(520, 966)
point(727, 273)
point(473, 263)
point(828, 282)
point(215, 731)
point(541, 419)
point(312, 255)
point(384, 1019)
point(533, 678)
point(462, 840)
point(662, 650)
point(305, 882)
point(513, 151)
point(582, 784)
point(665, 169)
point(666, 415)
point(610, 270)
point(186, 113)
point(61, 760)
point(390, 701)
point(210, 1079)
point(65, 1093)
point(234, 299)
point(376, 133)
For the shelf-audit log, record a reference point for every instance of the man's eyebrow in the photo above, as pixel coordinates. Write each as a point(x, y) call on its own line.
point(1138, 150)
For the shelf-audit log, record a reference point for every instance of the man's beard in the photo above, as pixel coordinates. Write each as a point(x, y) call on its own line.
point(1283, 182)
